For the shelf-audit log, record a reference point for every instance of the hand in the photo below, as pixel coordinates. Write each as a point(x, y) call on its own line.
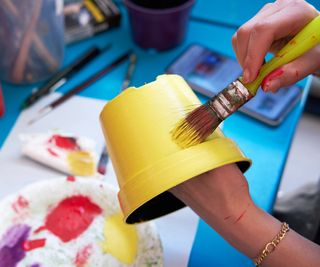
point(269, 30)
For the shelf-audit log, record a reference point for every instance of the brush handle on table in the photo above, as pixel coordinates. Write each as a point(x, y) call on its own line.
point(305, 40)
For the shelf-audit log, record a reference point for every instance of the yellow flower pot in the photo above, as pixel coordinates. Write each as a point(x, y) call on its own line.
point(147, 162)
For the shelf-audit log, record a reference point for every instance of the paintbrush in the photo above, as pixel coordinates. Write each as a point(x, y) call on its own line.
point(202, 121)
point(92, 79)
point(104, 157)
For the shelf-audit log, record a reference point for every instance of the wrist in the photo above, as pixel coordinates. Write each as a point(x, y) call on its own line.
point(223, 190)
point(221, 198)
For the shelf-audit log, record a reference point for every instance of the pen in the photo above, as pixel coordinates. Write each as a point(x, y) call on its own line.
point(47, 109)
point(62, 76)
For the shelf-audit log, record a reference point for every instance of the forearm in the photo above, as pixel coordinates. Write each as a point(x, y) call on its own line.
point(241, 222)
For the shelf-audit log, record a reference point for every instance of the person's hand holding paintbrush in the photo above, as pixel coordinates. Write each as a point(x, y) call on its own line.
point(271, 28)
point(269, 31)
point(221, 196)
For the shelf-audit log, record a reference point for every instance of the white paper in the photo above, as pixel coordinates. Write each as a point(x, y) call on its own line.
point(80, 116)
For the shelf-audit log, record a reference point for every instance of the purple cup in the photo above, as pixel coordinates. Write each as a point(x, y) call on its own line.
point(159, 29)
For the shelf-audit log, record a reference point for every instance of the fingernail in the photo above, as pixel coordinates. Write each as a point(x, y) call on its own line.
point(265, 86)
point(246, 76)
point(268, 82)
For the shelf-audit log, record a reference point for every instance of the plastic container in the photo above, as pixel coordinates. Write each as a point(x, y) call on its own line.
point(147, 162)
point(31, 39)
point(158, 25)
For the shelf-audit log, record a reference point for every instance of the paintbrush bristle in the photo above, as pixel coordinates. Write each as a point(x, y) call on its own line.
point(195, 127)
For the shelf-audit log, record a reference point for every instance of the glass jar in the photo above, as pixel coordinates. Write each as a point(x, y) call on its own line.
point(31, 39)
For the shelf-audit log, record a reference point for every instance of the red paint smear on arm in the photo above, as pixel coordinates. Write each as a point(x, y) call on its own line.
point(274, 74)
point(242, 214)
point(72, 217)
point(83, 256)
point(20, 204)
point(33, 244)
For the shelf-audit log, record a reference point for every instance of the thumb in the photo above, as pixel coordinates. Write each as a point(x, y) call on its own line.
point(292, 72)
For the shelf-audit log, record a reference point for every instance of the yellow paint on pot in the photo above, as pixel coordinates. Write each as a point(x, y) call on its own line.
point(137, 126)
point(121, 240)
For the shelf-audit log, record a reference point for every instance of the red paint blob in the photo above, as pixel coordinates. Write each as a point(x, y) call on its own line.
point(83, 256)
point(20, 204)
point(274, 74)
point(39, 229)
point(71, 178)
point(72, 217)
point(52, 152)
point(33, 244)
point(67, 143)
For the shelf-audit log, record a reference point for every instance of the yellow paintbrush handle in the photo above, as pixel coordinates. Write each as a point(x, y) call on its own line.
point(305, 40)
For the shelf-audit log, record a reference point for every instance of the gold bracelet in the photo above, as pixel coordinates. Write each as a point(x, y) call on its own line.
point(271, 246)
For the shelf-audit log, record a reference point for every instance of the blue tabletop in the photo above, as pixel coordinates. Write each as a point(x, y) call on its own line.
point(232, 13)
point(267, 146)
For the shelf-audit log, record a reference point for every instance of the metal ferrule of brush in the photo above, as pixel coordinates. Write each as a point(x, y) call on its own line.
point(229, 99)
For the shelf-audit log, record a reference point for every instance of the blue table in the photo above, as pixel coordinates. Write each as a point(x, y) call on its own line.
point(267, 146)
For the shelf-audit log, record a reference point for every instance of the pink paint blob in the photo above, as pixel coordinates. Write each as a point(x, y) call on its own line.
point(29, 245)
point(20, 204)
point(71, 217)
point(83, 256)
point(67, 143)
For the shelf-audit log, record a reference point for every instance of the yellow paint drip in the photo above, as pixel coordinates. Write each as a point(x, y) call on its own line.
point(81, 163)
point(121, 240)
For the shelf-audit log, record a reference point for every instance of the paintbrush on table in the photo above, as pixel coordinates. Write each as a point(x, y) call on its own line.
point(104, 157)
point(92, 79)
point(202, 121)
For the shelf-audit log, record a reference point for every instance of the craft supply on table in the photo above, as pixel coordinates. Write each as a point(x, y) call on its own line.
point(111, 66)
point(66, 153)
point(85, 18)
point(159, 24)
point(104, 157)
point(103, 161)
point(2, 107)
point(130, 70)
point(200, 123)
point(71, 221)
point(31, 39)
point(62, 76)
point(149, 163)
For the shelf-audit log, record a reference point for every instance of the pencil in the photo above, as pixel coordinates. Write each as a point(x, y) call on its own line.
point(47, 109)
